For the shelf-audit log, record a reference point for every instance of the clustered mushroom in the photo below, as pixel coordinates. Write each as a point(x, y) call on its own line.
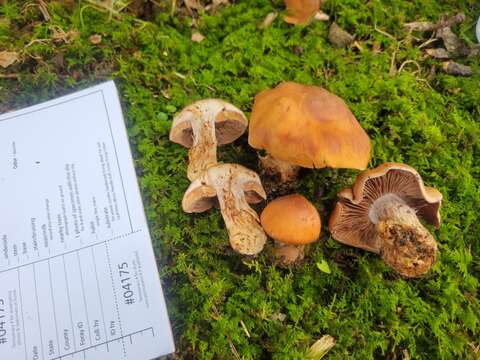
point(202, 126)
point(305, 126)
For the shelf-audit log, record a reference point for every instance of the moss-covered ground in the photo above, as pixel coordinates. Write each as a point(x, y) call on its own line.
point(226, 307)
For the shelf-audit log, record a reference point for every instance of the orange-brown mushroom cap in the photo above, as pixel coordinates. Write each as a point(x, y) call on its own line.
point(351, 221)
point(308, 126)
point(291, 220)
point(301, 11)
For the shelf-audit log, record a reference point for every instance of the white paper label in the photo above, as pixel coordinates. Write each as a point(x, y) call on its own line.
point(78, 277)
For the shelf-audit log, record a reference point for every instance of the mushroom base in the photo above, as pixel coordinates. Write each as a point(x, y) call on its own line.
point(287, 255)
point(279, 169)
point(407, 246)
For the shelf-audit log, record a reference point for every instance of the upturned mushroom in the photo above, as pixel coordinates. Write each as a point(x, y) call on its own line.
point(305, 126)
point(292, 222)
point(380, 213)
point(202, 126)
point(233, 187)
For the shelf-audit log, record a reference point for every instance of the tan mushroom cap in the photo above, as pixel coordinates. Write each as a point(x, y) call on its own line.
point(200, 197)
point(308, 126)
point(230, 122)
point(301, 11)
point(350, 222)
point(291, 220)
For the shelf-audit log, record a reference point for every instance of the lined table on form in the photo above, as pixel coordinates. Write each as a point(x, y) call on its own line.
point(78, 277)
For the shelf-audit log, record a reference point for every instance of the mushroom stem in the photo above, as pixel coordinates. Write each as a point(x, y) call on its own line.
point(288, 254)
point(245, 233)
point(203, 152)
point(274, 167)
point(407, 247)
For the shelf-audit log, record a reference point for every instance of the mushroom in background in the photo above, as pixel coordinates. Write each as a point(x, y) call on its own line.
point(202, 126)
point(305, 126)
point(381, 214)
point(303, 11)
point(233, 187)
point(292, 222)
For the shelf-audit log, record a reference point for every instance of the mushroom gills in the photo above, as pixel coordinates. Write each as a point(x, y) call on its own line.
point(406, 245)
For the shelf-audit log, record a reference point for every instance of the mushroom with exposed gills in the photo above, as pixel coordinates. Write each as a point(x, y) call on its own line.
point(381, 214)
point(292, 222)
point(306, 126)
point(234, 187)
point(202, 126)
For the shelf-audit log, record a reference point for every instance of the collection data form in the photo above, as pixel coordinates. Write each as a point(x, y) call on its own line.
point(78, 276)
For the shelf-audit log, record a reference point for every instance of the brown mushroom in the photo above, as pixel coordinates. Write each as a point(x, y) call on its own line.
point(303, 11)
point(233, 187)
point(201, 126)
point(381, 214)
point(306, 126)
point(292, 221)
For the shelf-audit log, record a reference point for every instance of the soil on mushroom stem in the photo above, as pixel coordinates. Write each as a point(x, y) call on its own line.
point(424, 118)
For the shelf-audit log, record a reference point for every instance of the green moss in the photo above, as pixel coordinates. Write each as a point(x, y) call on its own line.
point(431, 124)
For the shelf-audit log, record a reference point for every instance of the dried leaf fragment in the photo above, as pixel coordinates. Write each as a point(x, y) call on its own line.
point(216, 4)
point(439, 53)
point(8, 58)
point(454, 68)
point(321, 347)
point(452, 42)
point(321, 16)
point(95, 39)
point(197, 37)
point(193, 4)
point(421, 26)
point(278, 316)
point(59, 35)
point(444, 21)
point(269, 19)
point(339, 37)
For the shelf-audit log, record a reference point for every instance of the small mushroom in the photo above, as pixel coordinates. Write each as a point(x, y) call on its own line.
point(303, 11)
point(292, 221)
point(201, 126)
point(306, 126)
point(381, 214)
point(234, 187)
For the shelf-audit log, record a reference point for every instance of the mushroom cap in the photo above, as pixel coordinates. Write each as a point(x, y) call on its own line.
point(291, 219)
point(301, 11)
point(351, 222)
point(308, 126)
point(200, 196)
point(230, 122)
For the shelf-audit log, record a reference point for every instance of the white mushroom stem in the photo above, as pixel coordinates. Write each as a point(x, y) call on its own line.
point(407, 245)
point(275, 167)
point(203, 152)
point(229, 181)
